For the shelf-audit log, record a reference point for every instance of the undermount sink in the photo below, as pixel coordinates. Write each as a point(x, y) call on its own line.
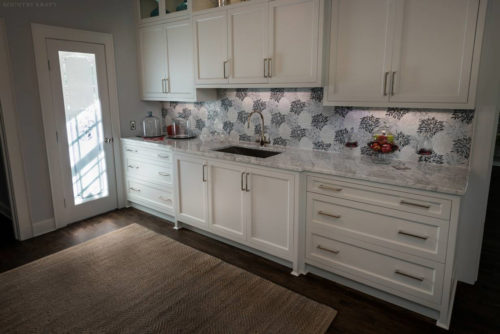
point(251, 152)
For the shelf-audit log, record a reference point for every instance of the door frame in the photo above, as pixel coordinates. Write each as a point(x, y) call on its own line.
point(20, 208)
point(40, 34)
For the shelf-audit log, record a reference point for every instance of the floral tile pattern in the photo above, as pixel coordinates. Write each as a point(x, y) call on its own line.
point(296, 118)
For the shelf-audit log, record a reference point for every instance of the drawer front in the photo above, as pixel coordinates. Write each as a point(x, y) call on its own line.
point(138, 152)
point(416, 281)
point(331, 217)
point(424, 205)
point(152, 196)
point(148, 170)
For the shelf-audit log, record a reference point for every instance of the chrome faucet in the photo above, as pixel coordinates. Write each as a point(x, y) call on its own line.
point(263, 140)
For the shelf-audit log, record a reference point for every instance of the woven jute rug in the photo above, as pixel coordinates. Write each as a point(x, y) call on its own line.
point(134, 280)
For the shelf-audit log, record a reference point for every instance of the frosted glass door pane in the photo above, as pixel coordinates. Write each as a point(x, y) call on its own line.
point(83, 125)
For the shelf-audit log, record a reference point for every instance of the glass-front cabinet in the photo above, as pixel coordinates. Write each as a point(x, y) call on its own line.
point(151, 9)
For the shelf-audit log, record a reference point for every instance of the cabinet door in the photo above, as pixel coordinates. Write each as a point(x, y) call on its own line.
point(271, 212)
point(192, 191)
point(180, 81)
point(226, 196)
point(248, 42)
point(210, 44)
point(153, 61)
point(294, 41)
point(360, 50)
point(433, 50)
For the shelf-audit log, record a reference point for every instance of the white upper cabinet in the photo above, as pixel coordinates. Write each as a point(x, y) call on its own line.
point(294, 41)
point(359, 57)
point(433, 50)
point(180, 80)
point(260, 44)
point(153, 64)
point(210, 46)
point(248, 47)
point(406, 53)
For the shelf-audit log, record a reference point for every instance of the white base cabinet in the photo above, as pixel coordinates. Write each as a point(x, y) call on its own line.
point(250, 205)
point(393, 239)
point(149, 176)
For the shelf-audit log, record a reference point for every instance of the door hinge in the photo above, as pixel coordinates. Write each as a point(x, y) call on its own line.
point(57, 137)
point(64, 202)
point(48, 63)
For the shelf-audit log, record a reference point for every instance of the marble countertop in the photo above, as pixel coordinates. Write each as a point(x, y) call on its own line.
point(423, 176)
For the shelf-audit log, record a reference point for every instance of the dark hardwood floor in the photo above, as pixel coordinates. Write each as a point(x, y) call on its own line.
point(477, 308)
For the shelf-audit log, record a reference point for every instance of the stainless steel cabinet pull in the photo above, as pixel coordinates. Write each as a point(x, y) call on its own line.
point(163, 156)
point(164, 199)
point(224, 67)
point(163, 86)
point(334, 251)
point(163, 174)
point(167, 85)
point(130, 150)
point(423, 237)
point(423, 206)
point(415, 277)
point(242, 186)
point(392, 83)
point(135, 189)
point(246, 182)
point(132, 166)
point(328, 214)
point(386, 75)
point(322, 186)
point(265, 67)
point(269, 68)
point(203, 172)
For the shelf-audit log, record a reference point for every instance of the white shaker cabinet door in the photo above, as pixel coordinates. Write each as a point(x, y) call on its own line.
point(226, 197)
point(360, 50)
point(294, 41)
point(180, 83)
point(211, 51)
point(433, 50)
point(153, 61)
point(248, 43)
point(271, 212)
point(192, 181)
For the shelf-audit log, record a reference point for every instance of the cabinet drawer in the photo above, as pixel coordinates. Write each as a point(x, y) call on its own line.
point(415, 281)
point(425, 237)
point(424, 205)
point(150, 195)
point(149, 170)
point(138, 152)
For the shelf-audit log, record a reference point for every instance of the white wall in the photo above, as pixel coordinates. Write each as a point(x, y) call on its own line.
point(111, 16)
point(474, 204)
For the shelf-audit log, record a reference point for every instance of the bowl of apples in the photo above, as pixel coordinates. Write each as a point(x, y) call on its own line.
point(383, 146)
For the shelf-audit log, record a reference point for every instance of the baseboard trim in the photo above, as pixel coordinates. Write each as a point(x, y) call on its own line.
point(44, 226)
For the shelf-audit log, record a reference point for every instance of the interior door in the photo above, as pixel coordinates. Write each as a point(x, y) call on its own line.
point(433, 50)
point(226, 197)
point(294, 40)
point(248, 43)
point(180, 84)
point(83, 122)
point(210, 42)
point(153, 61)
point(360, 50)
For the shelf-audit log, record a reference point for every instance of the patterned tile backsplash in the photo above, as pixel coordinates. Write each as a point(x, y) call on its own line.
point(296, 117)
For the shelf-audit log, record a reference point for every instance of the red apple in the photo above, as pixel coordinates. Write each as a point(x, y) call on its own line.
point(386, 148)
point(375, 146)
